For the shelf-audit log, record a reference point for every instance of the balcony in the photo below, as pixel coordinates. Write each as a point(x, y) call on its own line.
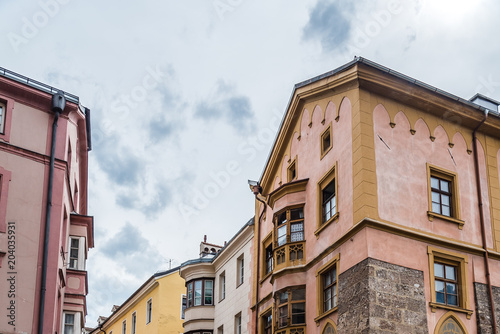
point(289, 255)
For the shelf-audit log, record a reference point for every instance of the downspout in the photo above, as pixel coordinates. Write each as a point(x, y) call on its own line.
point(58, 105)
point(481, 218)
point(256, 191)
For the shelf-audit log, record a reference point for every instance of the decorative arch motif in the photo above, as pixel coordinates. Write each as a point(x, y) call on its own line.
point(329, 328)
point(450, 324)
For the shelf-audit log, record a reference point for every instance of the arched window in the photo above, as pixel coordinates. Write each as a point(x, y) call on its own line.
point(450, 324)
point(329, 329)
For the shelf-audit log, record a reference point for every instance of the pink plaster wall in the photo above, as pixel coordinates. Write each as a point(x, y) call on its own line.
point(404, 200)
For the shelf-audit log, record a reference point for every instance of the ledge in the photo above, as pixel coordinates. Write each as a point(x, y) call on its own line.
point(325, 314)
point(324, 225)
point(431, 215)
point(435, 306)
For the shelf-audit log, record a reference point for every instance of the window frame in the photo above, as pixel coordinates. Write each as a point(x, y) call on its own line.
point(149, 311)
point(267, 270)
point(323, 183)
point(291, 171)
point(222, 286)
point(452, 178)
point(333, 263)
point(124, 326)
point(327, 132)
point(192, 283)
point(78, 250)
point(6, 117)
point(183, 306)
point(263, 324)
point(237, 323)
point(240, 270)
point(460, 262)
point(289, 307)
point(133, 323)
point(75, 324)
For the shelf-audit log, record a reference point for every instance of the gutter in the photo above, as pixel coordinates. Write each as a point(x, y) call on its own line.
point(58, 105)
point(483, 228)
point(256, 191)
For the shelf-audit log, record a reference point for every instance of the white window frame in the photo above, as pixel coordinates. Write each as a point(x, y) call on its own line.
point(241, 270)
point(222, 286)
point(183, 298)
point(80, 260)
point(3, 110)
point(133, 323)
point(124, 327)
point(76, 322)
point(149, 311)
point(237, 323)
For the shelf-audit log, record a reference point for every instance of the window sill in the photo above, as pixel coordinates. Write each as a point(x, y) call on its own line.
point(431, 215)
point(325, 224)
point(265, 277)
point(435, 306)
point(327, 313)
point(325, 152)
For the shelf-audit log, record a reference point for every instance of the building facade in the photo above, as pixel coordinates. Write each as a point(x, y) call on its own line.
point(156, 307)
point(45, 230)
point(218, 286)
point(378, 210)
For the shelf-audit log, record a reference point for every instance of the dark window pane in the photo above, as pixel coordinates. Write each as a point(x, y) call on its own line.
point(452, 300)
point(439, 297)
point(434, 183)
point(296, 214)
point(451, 288)
point(299, 294)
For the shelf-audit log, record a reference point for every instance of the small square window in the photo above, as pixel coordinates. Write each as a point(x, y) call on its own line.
point(292, 171)
point(326, 141)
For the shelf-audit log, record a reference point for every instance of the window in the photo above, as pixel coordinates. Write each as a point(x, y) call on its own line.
point(149, 311)
point(222, 286)
point(292, 171)
point(290, 226)
point(448, 277)
point(237, 324)
point(124, 327)
point(200, 292)
point(134, 322)
point(443, 195)
point(291, 306)
point(267, 322)
point(69, 323)
point(445, 283)
point(6, 108)
point(269, 259)
point(327, 287)
point(74, 253)
point(241, 271)
point(326, 141)
point(329, 203)
point(3, 108)
point(220, 330)
point(209, 292)
point(327, 200)
point(183, 306)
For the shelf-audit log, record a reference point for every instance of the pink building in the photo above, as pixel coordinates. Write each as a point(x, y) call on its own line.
point(378, 210)
point(44, 144)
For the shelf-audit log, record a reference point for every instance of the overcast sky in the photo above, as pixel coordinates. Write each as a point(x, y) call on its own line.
point(186, 98)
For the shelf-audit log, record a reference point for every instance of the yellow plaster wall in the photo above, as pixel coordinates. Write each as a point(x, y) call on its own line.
point(166, 310)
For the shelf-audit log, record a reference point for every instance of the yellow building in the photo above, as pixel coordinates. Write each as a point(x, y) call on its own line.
point(156, 307)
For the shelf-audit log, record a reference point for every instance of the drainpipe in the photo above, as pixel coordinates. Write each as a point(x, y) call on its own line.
point(481, 218)
point(257, 189)
point(58, 104)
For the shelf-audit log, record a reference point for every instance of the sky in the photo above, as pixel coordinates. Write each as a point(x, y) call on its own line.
point(186, 98)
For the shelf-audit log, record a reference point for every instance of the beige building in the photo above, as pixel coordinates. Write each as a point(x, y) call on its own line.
point(218, 286)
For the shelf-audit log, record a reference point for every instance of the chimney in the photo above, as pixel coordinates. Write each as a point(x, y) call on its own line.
point(205, 238)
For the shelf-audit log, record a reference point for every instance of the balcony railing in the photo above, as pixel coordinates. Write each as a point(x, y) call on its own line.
point(290, 254)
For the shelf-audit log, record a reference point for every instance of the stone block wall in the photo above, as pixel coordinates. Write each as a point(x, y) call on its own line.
point(379, 297)
point(483, 308)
